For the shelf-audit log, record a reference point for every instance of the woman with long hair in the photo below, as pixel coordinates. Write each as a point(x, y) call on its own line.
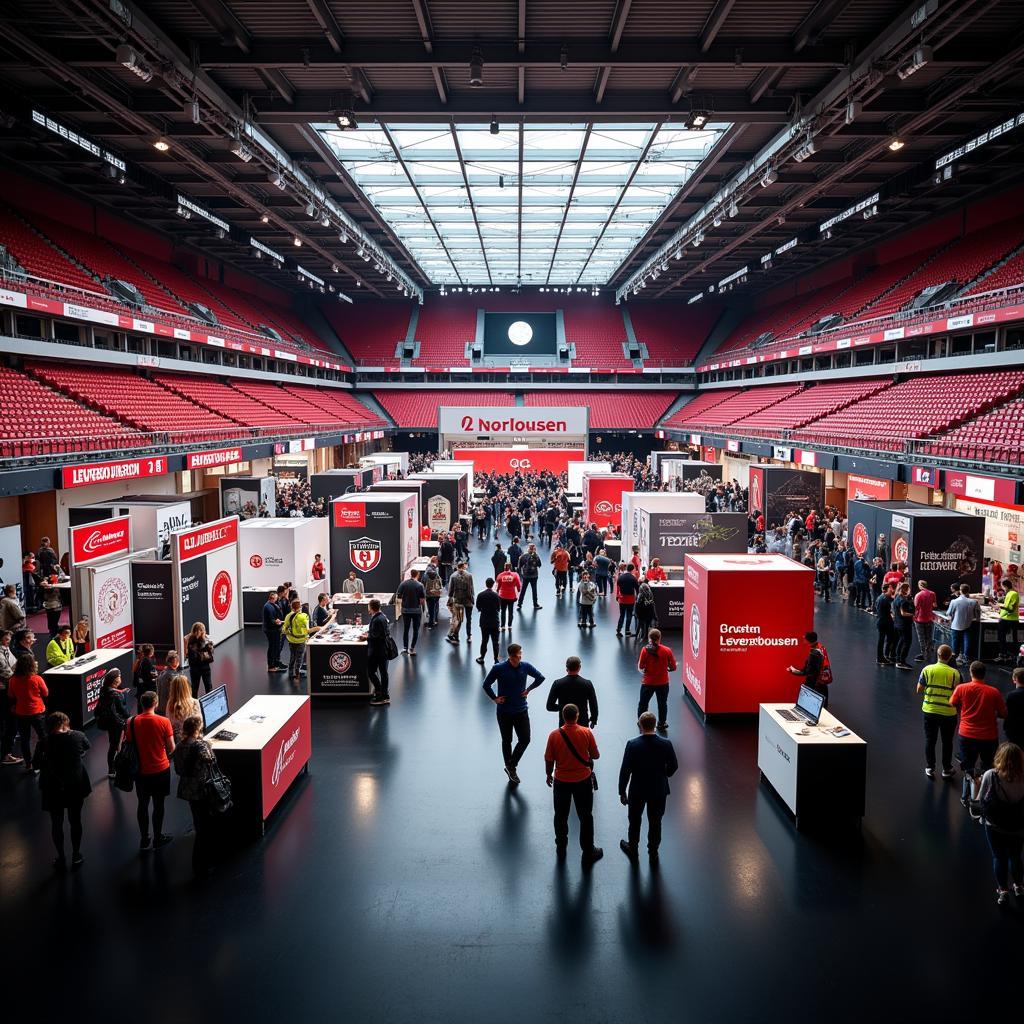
point(199, 654)
point(180, 704)
point(1001, 798)
point(27, 692)
point(194, 761)
point(112, 714)
point(144, 672)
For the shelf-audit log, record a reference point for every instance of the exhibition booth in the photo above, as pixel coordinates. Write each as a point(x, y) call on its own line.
point(781, 492)
point(444, 498)
point(520, 459)
point(336, 662)
point(745, 617)
point(75, 686)
point(670, 536)
point(242, 496)
point(653, 501)
point(602, 497)
point(153, 518)
point(937, 544)
point(578, 468)
point(274, 551)
point(332, 483)
point(668, 466)
point(392, 462)
point(375, 533)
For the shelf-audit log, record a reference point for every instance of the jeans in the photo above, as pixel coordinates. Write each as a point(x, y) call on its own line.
point(936, 726)
point(274, 638)
point(53, 620)
point(1006, 856)
point(489, 633)
point(904, 641)
point(414, 622)
point(824, 585)
point(446, 571)
point(661, 693)
point(296, 657)
point(519, 722)
point(974, 750)
point(565, 795)
point(200, 674)
point(602, 584)
point(377, 670)
point(925, 641)
point(26, 723)
point(886, 642)
point(458, 612)
point(1007, 633)
point(586, 614)
point(432, 606)
point(114, 734)
point(655, 812)
point(561, 580)
point(74, 813)
point(960, 642)
point(530, 583)
point(625, 617)
point(508, 606)
point(643, 627)
point(151, 787)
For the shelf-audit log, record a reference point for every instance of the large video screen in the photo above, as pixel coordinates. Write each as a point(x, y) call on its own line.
point(520, 334)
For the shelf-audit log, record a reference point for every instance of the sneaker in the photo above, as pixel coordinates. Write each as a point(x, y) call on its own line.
point(512, 776)
point(412, 652)
point(920, 657)
point(628, 849)
point(537, 607)
point(930, 772)
point(375, 702)
point(77, 860)
point(452, 640)
point(11, 759)
point(480, 661)
point(111, 775)
point(900, 664)
point(662, 727)
point(595, 853)
point(162, 840)
point(282, 668)
point(653, 857)
point(948, 773)
point(405, 650)
point(1001, 896)
point(145, 844)
point(882, 663)
point(618, 632)
point(629, 632)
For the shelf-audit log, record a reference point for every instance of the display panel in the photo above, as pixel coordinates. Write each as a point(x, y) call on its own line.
point(520, 334)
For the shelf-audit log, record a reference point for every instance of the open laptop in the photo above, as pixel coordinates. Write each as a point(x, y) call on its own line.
point(808, 707)
point(214, 707)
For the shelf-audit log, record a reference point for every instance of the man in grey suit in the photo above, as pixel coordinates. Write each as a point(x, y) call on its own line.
point(648, 762)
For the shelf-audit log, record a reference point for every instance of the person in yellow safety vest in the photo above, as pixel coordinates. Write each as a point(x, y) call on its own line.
point(1009, 616)
point(296, 632)
point(61, 648)
point(936, 683)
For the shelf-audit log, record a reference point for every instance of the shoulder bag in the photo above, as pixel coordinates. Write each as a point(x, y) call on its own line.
point(217, 790)
point(575, 753)
point(126, 760)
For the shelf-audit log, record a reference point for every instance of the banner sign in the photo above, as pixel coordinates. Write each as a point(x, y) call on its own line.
point(860, 487)
point(521, 460)
point(112, 606)
point(113, 472)
point(284, 756)
point(152, 604)
point(986, 488)
point(100, 540)
point(220, 457)
point(510, 420)
point(210, 537)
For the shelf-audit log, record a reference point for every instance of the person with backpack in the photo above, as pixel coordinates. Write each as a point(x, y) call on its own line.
point(936, 685)
point(433, 587)
point(112, 713)
point(625, 594)
point(817, 670)
point(195, 764)
point(643, 610)
point(529, 570)
point(1001, 804)
point(656, 662)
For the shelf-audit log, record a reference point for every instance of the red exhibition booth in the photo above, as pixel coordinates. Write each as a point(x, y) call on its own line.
point(602, 497)
point(744, 621)
point(509, 460)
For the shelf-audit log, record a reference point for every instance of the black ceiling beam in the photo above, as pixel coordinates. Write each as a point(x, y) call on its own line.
point(619, 17)
point(277, 81)
point(427, 33)
point(328, 24)
point(231, 30)
point(823, 13)
point(716, 19)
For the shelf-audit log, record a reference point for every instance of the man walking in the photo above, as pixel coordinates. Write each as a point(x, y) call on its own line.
point(513, 714)
point(432, 588)
point(509, 586)
point(981, 706)
point(936, 685)
point(569, 760)
point(656, 661)
point(924, 621)
point(413, 596)
point(602, 570)
point(460, 603)
point(446, 556)
point(529, 570)
point(626, 588)
point(883, 623)
point(488, 605)
point(573, 688)
point(648, 762)
point(560, 560)
point(378, 629)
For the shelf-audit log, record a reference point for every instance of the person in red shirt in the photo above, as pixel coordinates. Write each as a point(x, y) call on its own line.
point(893, 576)
point(569, 757)
point(26, 691)
point(656, 661)
point(924, 621)
point(560, 560)
point(981, 706)
point(154, 739)
point(634, 559)
point(508, 584)
point(319, 570)
point(655, 573)
point(424, 532)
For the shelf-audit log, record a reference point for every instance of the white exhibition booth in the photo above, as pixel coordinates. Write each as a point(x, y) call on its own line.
point(652, 501)
point(275, 551)
point(153, 518)
point(577, 469)
point(391, 461)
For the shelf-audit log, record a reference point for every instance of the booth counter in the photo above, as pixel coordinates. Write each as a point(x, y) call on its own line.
point(982, 637)
point(349, 606)
point(814, 772)
point(272, 746)
point(254, 598)
point(336, 662)
point(75, 686)
point(669, 600)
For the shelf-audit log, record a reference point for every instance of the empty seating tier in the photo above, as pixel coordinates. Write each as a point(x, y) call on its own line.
point(416, 410)
point(610, 410)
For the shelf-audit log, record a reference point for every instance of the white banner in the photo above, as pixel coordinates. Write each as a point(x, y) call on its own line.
point(494, 421)
point(110, 604)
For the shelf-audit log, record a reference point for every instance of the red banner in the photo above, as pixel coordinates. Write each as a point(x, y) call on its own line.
point(111, 472)
point(602, 497)
point(200, 540)
point(523, 460)
point(987, 488)
point(220, 457)
point(100, 540)
point(867, 487)
point(284, 756)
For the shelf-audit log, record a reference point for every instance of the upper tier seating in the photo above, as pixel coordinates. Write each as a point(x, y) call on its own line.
point(40, 258)
point(415, 410)
point(914, 408)
point(41, 421)
point(1009, 275)
point(339, 405)
point(597, 329)
point(610, 410)
point(806, 405)
point(445, 326)
point(294, 404)
point(227, 400)
point(996, 436)
point(700, 405)
point(741, 404)
point(785, 318)
point(673, 332)
point(256, 313)
point(370, 330)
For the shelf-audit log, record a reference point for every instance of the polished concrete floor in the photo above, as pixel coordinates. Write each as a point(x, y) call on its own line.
point(403, 880)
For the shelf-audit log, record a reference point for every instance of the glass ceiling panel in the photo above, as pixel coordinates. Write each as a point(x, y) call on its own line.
point(569, 214)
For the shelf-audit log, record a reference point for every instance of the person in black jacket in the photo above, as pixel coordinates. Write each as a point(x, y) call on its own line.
point(573, 688)
point(498, 559)
point(272, 620)
point(377, 631)
point(64, 783)
point(446, 556)
point(529, 570)
point(488, 604)
point(112, 714)
point(648, 762)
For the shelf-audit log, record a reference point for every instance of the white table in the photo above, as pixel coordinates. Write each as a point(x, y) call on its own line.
point(815, 773)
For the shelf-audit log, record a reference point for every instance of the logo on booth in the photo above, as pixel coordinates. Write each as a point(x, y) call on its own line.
point(901, 550)
point(340, 662)
point(113, 600)
point(285, 756)
point(604, 508)
point(364, 553)
point(755, 492)
point(519, 463)
point(860, 538)
point(221, 595)
point(256, 561)
point(695, 631)
point(408, 517)
point(349, 514)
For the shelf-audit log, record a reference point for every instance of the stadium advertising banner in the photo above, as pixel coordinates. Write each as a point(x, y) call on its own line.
point(207, 579)
point(1004, 529)
point(520, 460)
point(375, 535)
point(510, 421)
point(867, 487)
point(780, 492)
point(736, 652)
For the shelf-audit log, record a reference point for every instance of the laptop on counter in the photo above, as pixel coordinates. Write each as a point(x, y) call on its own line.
point(807, 709)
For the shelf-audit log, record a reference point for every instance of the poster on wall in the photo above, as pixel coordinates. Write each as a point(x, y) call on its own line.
point(110, 589)
point(780, 492)
point(871, 488)
point(670, 536)
point(1004, 529)
point(152, 605)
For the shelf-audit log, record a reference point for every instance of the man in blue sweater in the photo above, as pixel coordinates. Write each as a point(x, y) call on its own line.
point(511, 677)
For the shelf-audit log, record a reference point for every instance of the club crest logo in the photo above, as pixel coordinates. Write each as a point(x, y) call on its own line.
point(364, 553)
point(901, 550)
point(256, 561)
point(695, 631)
point(860, 538)
point(112, 600)
point(340, 662)
point(604, 508)
point(221, 595)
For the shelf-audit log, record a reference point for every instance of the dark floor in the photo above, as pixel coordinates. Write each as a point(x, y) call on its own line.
point(404, 881)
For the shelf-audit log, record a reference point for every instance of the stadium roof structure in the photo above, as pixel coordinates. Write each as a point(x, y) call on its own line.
point(807, 109)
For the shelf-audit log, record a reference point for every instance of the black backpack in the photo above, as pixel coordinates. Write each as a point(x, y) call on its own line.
point(1001, 813)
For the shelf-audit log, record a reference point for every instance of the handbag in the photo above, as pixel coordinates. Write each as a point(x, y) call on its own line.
point(588, 762)
point(217, 791)
point(126, 760)
point(390, 647)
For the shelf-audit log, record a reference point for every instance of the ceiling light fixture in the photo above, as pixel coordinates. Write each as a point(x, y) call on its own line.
point(346, 120)
point(277, 180)
point(914, 62)
point(264, 219)
point(127, 57)
point(696, 120)
point(161, 143)
point(769, 177)
point(241, 150)
point(297, 242)
point(476, 68)
point(896, 144)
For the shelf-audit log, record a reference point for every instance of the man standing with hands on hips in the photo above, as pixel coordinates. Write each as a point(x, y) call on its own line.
point(513, 715)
